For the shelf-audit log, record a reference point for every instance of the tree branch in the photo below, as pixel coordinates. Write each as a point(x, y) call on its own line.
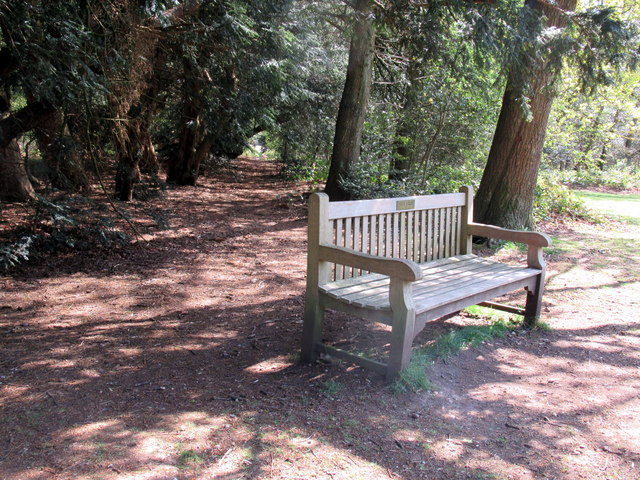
point(23, 120)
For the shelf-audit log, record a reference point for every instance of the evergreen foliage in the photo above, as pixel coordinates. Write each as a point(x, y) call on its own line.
point(124, 90)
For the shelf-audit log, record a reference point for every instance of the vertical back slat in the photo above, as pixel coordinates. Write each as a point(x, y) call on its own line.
point(441, 234)
point(348, 242)
point(423, 235)
point(417, 216)
point(357, 242)
point(402, 244)
point(429, 241)
point(436, 234)
point(410, 239)
point(366, 244)
point(447, 232)
point(395, 234)
point(387, 235)
point(455, 231)
point(373, 228)
point(367, 233)
point(339, 274)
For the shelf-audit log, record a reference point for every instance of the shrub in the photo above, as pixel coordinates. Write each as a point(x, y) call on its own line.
point(553, 199)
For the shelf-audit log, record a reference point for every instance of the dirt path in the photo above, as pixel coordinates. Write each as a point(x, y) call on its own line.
point(176, 360)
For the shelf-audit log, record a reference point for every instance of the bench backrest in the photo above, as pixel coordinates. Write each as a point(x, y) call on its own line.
point(422, 228)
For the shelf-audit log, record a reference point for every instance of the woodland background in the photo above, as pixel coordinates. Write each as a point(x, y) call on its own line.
point(108, 102)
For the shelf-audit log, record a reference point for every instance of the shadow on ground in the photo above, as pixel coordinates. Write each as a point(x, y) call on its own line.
point(178, 359)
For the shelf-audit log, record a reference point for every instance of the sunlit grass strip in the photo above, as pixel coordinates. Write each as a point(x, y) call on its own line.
point(621, 207)
point(414, 377)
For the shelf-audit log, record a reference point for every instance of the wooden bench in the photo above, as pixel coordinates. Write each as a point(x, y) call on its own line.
point(404, 262)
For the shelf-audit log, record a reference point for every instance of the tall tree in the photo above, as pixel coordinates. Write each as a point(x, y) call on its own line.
point(131, 110)
point(353, 105)
point(595, 41)
point(231, 77)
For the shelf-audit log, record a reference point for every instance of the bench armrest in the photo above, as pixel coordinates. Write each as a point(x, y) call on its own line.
point(534, 240)
point(393, 267)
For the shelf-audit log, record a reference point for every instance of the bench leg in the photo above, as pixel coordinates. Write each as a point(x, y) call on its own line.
point(533, 306)
point(311, 329)
point(404, 316)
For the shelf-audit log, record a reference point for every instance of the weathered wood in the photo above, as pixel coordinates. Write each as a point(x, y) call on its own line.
point(502, 307)
point(446, 283)
point(359, 360)
point(404, 317)
point(359, 208)
point(405, 262)
point(394, 267)
point(466, 219)
point(535, 239)
point(318, 271)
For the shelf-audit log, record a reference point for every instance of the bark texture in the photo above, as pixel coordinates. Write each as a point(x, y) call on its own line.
point(183, 169)
point(506, 193)
point(134, 149)
point(15, 185)
point(353, 104)
point(25, 119)
point(60, 150)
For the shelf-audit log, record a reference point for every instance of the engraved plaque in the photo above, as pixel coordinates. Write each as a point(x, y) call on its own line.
point(405, 204)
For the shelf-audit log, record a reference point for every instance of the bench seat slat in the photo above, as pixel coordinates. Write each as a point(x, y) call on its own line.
point(378, 291)
point(437, 286)
point(451, 279)
point(344, 287)
point(453, 287)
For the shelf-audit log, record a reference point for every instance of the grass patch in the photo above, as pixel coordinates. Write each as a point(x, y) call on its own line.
point(456, 340)
point(621, 207)
point(476, 311)
point(331, 388)
point(508, 246)
point(414, 377)
point(189, 457)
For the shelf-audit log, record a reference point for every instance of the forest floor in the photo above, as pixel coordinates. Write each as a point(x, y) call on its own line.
point(176, 358)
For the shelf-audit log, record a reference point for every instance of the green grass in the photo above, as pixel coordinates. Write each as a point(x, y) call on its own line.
point(189, 457)
point(414, 377)
point(476, 311)
point(623, 207)
point(331, 388)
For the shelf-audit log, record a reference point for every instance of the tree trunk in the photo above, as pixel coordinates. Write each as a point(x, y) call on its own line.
point(353, 105)
point(134, 102)
point(60, 151)
point(428, 153)
point(149, 160)
point(506, 193)
point(184, 168)
point(15, 185)
point(128, 169)
point(402, 157)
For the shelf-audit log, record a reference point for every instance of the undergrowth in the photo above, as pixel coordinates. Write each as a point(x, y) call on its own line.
point(620, 177)
point(553, 199)
point(414, 377)
point(69, 224)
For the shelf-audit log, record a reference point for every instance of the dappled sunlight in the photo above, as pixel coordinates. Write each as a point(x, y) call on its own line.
point(178, 361)
point(271, 365)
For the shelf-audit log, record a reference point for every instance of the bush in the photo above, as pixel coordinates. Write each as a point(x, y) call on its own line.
point(553, 199)
point(620, 177)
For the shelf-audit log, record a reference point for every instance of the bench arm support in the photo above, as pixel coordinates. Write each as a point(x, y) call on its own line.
point(534, 240)
point(393, 267)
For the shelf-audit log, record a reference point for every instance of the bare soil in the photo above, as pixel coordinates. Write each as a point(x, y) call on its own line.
point(176, 358)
